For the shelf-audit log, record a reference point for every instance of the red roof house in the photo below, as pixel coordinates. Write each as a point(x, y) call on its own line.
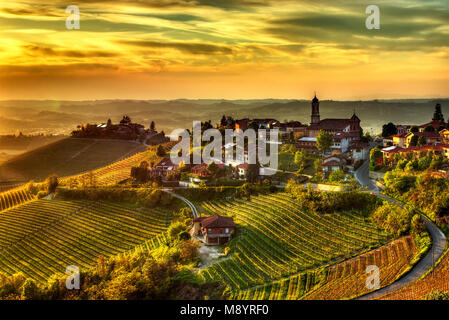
point(214, 229)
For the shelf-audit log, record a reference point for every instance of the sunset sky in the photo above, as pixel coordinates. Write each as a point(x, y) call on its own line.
point(234, 49)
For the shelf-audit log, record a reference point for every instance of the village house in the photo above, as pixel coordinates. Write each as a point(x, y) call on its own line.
point(444, 134)
point(333, 163)
point(242, 169)
point(416, 152)
point(360, 150)
point(164, 167)
point(201, 169)
point(431, 137)
point(400, 139)
point(213, 230)
point(308, 143)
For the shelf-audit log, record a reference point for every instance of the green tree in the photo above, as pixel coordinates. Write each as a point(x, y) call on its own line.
point(337, 176)
point(160, 151)
point(30, 290)
point(421, 141)
point(389, 129)
point(414, 129)
point(414, 141)
point(429, 128)
point(51, 183)
point(318, 165)
point(324, 140)
point(213, 170)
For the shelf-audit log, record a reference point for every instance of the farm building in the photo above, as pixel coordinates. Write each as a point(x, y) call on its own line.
point(214, 229)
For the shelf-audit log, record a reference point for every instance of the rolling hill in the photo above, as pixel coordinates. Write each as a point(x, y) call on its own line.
point(66, 157)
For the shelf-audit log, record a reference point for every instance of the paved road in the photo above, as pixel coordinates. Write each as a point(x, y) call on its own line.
point(425, 264)
point(190, 204)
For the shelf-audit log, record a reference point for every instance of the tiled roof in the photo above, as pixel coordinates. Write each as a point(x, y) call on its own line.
point(425, 134)
point(330, 124)
point(166, 162)
point(434, 124)
point(215, 221)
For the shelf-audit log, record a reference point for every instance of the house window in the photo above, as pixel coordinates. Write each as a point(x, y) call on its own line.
point(209, 230)
point(227, 230)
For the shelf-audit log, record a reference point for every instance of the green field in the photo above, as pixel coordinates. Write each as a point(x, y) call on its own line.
point(276, 239)
point(66, 157)
point(43, 237)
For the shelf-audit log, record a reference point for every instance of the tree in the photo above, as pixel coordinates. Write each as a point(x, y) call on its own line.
point(160, 151)
point(414, 129)
point(421, 141)
point(152, 126)
point(30, 291)
point(375, 154)
point(318, 165)
point(429, 128)
point(324, 140)
point(389, 129)
point(252, 173)
point(51, 183)
point(337, 176)
point(414, 141)
point(213, 170)
point(223, 121)
point(300, 157)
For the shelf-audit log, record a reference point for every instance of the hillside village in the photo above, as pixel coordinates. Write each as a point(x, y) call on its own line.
point(124, 130)
point(422, 146)
point(300, 156)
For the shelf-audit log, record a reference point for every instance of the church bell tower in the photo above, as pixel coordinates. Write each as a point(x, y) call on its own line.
point(315, 111)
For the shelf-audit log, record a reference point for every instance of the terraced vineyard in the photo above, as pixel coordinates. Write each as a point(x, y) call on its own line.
point(348, 279)
point(418, 290)
point(277, 239)
point(14, 197)
point(117, 171)
point(43, 237)
point(66, 157)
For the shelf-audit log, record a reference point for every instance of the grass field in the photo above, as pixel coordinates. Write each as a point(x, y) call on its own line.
point(276, 239)
point(66, 157)
point(43, 237)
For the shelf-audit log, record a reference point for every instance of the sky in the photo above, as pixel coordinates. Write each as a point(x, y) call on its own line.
point(230, 49)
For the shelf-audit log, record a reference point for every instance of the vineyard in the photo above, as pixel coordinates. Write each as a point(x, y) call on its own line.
point(14, 197)
point(43, 237)
point(66, 157)
point(341, 281)
point(348, 279)
point(275, 239)
point(436, 280)
point(115, 172)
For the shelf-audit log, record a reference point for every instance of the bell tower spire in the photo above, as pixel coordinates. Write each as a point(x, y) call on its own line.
point(315, 118)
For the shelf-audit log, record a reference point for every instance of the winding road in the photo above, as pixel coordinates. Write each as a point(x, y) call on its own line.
point(190, 204)
point(425, 264)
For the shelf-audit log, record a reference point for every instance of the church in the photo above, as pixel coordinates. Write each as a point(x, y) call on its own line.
point(346, 132)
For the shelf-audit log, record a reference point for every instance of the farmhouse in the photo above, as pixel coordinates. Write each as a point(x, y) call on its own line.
point(213, 229)
point(164, 167)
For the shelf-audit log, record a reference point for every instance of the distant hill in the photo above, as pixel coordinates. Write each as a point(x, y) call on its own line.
point(64, 116)
point(66, 157)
